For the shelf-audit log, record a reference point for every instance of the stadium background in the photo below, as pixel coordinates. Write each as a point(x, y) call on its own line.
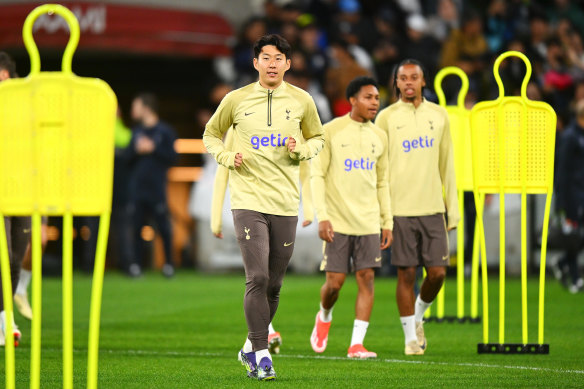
point(191, 53)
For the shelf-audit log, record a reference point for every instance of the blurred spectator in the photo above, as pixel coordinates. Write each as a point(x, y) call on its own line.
point(302, 80)
point(468, 42)
point(420, 45)
point(291, 33)
point(497, 26)
point(557, 80)
point(310, 46)
point(243, 51)
point(570, 194)
point(572, 10)
point(150, 153)
point(343, 69)
point(444, 21)
point(539, 33)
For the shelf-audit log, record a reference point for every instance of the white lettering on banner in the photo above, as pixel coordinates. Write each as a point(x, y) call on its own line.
point(93, 20)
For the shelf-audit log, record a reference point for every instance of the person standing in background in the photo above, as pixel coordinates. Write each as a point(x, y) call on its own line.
point(150, 154)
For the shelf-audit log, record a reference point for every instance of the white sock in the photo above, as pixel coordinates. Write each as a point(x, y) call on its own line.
point(326, 315)
point(359, 331)
point(261, 354)
point(247, 347)
point(420, 309)
point(23, 282)
point(409, 326)
point(271, 329)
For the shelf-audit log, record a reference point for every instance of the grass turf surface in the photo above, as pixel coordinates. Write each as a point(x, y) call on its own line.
point(185, 333)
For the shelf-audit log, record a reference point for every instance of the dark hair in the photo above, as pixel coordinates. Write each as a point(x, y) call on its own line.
point(6, 63)
point(149, 100)
point(357, 83)
point(408, 61)
point(272, 40)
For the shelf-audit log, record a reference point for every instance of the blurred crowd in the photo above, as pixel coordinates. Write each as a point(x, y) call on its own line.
point(335, 40)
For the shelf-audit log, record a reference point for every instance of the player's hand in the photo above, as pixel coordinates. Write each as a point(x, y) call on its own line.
point(218, 235)
point(238, 160)
point(291, 144)
point(386, 239)
point(306, 223)
point(325, 231)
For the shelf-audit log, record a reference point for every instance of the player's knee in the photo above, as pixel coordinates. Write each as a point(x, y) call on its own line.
point(407, 276)
point(436, 276)
point(334, 283)
point(365, 279)
point(274, 291)
point(259, 280)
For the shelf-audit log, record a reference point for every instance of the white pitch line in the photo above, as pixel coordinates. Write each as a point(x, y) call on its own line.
point(405, 361)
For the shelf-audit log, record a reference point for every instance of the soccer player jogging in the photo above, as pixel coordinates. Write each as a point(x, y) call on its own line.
point(421, 167)
point(219, 189)
point(350, 189)
point(267, 118)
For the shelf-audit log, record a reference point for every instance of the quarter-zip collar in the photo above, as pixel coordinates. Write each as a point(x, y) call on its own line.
point(270, 94)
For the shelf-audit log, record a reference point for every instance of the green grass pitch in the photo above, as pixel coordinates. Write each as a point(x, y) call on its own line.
point(185, 333)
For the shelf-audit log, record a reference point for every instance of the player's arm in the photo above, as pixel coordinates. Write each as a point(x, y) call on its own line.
point(319, 167)
point(311, 128)
point(219, 123)
point(307, 208)
point(219, 188)
point(448, 176)
point(383, 196)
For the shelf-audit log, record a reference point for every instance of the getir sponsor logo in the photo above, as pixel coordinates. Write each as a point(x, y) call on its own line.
point(417, 143)
point(363, 164)
point(273, 140)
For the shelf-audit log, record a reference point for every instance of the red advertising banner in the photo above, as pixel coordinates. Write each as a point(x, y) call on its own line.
point(123, 28)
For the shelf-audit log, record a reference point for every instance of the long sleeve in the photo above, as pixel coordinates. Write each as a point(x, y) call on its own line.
point(311, 131)
point(219, 189)
point(383, 189)
point(318, 170)
point(219, 123)
point(448, 176)
point(307, 207)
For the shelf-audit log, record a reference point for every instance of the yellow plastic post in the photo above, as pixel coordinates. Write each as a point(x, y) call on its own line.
point(95, 308)
point(67, 301)
point(428, 312)
point(459, 118)
point(440, 303)
point(60, 129)
point(474, 277)
point(513, 141)
point(37, 303)
point(480, 207)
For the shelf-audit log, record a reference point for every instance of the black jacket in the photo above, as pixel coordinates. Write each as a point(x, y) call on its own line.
point(148, 171)
point(570, 172)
